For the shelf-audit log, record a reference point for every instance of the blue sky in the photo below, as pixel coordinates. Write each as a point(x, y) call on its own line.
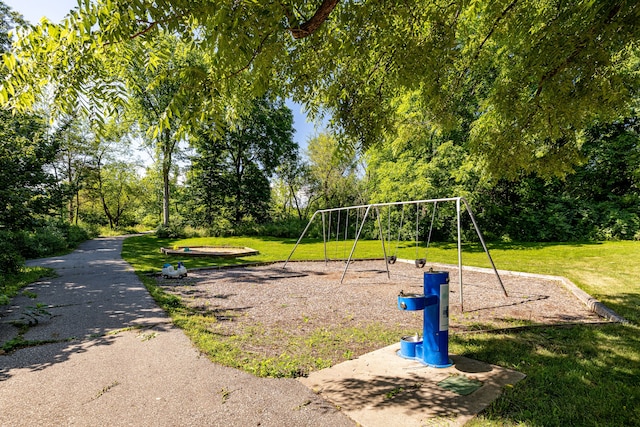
point(55, 10)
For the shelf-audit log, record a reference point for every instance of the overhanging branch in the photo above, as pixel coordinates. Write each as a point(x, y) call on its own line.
point(310, 26)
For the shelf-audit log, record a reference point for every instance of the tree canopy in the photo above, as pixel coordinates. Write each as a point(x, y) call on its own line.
point(530, 75)
point(229, 175)
point(28, 190)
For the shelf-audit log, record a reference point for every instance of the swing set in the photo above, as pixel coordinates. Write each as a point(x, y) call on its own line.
point(363, 212)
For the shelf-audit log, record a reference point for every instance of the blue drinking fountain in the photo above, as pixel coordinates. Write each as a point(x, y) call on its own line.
point(432, 348)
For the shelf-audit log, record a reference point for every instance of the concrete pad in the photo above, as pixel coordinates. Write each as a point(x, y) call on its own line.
point(383, 389)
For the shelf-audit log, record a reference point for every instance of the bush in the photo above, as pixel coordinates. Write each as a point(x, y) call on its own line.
point(291, 228)
point(170, 232)
point(10, 258)
point(618, 224)
point(91, 230)
point(54, 238)
point(76, 235)
point(41, 242)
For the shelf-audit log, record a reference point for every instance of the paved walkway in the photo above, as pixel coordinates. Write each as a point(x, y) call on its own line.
point(114, 359)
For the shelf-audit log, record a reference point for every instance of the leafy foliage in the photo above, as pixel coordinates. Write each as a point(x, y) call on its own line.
point(229, 177)
point(448, 97)
point(153, 86)
point(529, 75)
point(29, 191)
point(332, 177)
point(10, 258)
point(599, 201)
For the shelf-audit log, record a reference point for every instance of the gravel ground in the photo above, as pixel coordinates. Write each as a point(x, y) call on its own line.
point(308, 295)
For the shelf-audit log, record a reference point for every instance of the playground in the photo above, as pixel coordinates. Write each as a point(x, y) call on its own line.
point(301, 295)
point(338, 324)
point(279, 307)
point(307, 295)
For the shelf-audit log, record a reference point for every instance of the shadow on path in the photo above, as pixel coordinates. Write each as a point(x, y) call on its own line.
point(95, 295)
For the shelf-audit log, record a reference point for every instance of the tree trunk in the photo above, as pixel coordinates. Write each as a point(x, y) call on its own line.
point(70, 182)
point(165, 196)
point(102, 199)
point(295, 200)
point(77, 214)
point(166, 169)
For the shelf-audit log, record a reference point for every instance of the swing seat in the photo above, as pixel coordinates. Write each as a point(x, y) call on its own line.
point(391, 259)
point(421, 262)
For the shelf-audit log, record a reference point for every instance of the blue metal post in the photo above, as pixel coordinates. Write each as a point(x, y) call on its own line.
point(435, 346)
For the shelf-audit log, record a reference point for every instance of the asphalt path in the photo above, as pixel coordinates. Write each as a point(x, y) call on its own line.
point(103, 353)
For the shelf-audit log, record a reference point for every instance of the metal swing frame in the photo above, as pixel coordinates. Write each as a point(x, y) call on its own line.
point(459, 201)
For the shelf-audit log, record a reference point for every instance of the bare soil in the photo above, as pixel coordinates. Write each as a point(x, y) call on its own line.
point(308, 295)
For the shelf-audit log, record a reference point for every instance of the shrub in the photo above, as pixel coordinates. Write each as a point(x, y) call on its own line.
point(41, 242)
point(10, 258)
point(170, 232)
point(91, 230)
point(76, 234)
point(51, 239)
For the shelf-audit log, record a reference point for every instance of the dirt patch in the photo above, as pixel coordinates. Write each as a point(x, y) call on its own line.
point(309, 294)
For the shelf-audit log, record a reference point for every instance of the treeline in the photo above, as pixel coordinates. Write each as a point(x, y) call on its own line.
point(62, 183)
point(599, 200)
point(31, 195)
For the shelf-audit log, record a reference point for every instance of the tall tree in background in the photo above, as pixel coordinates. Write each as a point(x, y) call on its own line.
point(333, 172)
point(116, 187)
point(28, 190)
point(152, 87)
point(73, 162)
point(291, 188)
point(110, 180)
point(233, 165)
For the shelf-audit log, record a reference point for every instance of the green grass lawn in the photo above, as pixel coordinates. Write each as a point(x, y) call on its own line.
point(576, 375)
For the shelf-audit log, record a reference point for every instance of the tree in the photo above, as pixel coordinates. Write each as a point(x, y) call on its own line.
point(152, 88)
point(333, 173)
point(27, 188)
point(8, 20)
point(233, 165)
point(611, 168)
point(111, 186)
point(71, 165)
point(117, 187)
point(532, 74)
point(291, 189)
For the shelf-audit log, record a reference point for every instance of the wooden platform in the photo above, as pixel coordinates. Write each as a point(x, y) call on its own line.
point(210, 251)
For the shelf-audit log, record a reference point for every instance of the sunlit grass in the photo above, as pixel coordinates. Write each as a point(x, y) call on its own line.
point(10, 285)
point(578, 376)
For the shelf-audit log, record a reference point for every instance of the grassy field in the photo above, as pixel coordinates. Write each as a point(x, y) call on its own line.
point(576, 375)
